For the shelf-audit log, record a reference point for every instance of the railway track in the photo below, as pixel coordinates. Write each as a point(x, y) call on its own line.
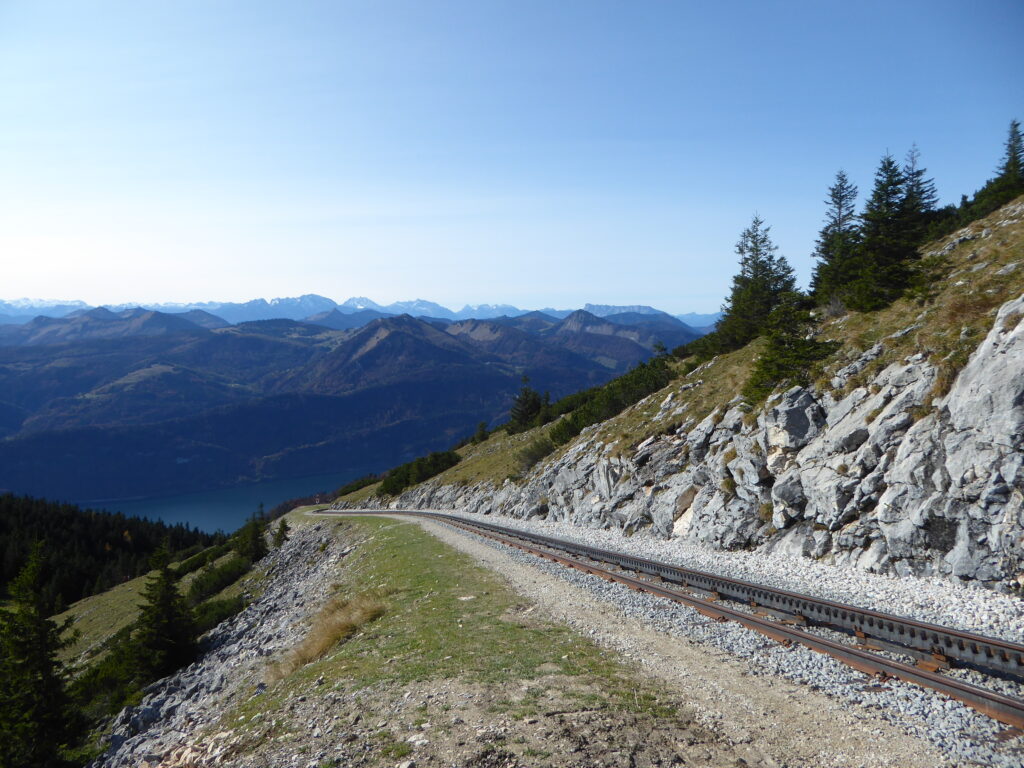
point(785, 616)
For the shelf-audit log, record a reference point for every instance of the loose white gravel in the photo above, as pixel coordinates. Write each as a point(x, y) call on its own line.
point(966, 736)
point(940, 601)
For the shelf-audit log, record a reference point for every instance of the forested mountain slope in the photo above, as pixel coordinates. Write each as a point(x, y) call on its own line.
point(103, 404)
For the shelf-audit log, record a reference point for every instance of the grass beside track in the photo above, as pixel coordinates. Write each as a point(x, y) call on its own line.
point(445, 618)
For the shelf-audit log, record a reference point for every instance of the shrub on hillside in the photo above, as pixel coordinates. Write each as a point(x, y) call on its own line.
point(601, 403)
point(416, 471)
point(215, 578)
point(211, 613)
point(534, 452)
point(200, 559)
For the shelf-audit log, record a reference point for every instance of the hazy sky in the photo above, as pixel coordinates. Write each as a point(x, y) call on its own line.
point(536, 153)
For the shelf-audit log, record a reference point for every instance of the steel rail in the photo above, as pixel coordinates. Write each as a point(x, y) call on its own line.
point(1002, 708)
point(934, 645)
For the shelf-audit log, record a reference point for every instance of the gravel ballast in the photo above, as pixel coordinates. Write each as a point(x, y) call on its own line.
point(940, 601)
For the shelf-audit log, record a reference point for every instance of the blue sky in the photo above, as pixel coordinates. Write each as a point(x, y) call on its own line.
point(536, 153)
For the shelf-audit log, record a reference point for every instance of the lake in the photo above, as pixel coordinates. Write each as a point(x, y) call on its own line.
point(226, 508)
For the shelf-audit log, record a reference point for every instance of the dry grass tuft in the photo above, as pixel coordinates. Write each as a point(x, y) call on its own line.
point(969, 305)
point(948, 369)
point(337, 621)
point(728, 487)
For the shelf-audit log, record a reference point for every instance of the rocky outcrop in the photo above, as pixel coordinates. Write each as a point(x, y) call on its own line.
point(172, 724)
point(884, 478)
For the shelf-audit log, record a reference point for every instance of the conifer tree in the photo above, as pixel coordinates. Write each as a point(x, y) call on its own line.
point(1007, 184)
point(281, 535)
point(37, 722)
point(790, 351)
point(1011, 170)
point(920, 198)
point(546, 412)
point(164, 637)
point(836, 247)
point(527, 405)
point(250, 540)
point(882, 269)
point(756, 290)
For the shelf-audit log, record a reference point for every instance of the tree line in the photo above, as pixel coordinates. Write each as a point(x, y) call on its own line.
point(416, 471)
point(87, 551)
point(863, 261)
point(45, 713)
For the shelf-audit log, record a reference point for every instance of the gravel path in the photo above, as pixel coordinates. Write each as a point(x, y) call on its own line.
point(890, 724)
point(784, 722)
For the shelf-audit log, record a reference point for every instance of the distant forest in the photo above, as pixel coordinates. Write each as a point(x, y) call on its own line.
point(84, 551)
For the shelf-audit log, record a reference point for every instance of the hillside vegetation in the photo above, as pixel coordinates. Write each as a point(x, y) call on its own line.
point(945, 323)
point(85, 551)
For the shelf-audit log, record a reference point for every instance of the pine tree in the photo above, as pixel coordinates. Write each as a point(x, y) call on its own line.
point(37, 722)
point(920, 198)
point(763, 278)
point(882, 264)
point(790, 351)
point(546, 412)
point(481, 433)
point(527, 405)
point(250, 540)
point(281, 535)
point(164, 637)
point(836, 247)
point(1011, 170)
point(1007, 184)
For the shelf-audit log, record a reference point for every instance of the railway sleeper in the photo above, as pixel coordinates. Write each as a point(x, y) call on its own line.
point(786, 618)
point(932, 662)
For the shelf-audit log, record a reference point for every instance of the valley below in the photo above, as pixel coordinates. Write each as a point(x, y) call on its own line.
point(146, 404)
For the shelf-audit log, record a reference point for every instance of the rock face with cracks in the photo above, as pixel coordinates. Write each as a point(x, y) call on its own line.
point(888, 478)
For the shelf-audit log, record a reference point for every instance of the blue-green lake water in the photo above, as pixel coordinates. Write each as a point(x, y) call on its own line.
point(227, 508)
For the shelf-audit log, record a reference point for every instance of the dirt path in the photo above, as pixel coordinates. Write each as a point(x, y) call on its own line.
point(768, 718)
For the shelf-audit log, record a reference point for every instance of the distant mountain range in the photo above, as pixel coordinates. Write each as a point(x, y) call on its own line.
point(311, 305)
point(114, 403)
